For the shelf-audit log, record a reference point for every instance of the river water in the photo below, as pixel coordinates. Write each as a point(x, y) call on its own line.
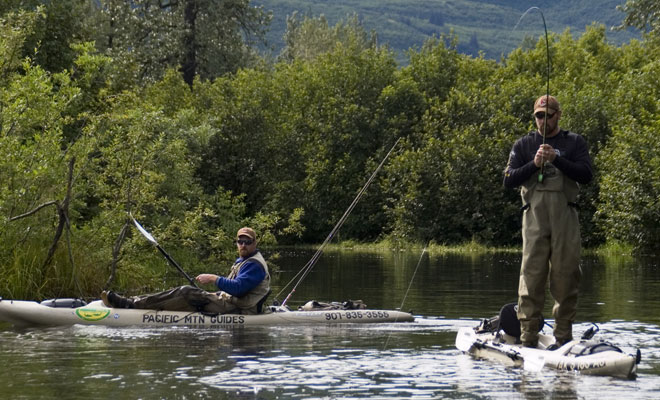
point(378, 361)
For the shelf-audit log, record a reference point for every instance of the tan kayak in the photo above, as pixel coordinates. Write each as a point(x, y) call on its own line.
point(591, 357)
point(30, 313)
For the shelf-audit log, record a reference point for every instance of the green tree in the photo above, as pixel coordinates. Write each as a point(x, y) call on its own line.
point(630, 194)
point(598, 64)
point(37, 168)
point(298, 137)
point(306, 38)
point(62, 24)
point(641, 14)
point(344, 132)
point(447, 186)
point(238, 154)
point(629, 203)
point(201, 37)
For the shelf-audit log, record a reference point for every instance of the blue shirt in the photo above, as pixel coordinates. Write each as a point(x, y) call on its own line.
point(249, 276)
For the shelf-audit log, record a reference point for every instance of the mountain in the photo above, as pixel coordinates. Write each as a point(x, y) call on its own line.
point(493, 27)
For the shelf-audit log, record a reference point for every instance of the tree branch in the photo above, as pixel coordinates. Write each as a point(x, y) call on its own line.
point(27, 214)
point(63, 212)
point(115, 253)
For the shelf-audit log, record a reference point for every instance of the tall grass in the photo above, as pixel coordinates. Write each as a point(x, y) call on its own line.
point(21, 277)
point(392, 244)
point(25, 276)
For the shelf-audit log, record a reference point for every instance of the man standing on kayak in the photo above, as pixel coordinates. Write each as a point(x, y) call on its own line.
point(247, 284)
point(549, 165)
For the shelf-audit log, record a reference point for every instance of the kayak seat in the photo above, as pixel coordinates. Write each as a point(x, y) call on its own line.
point(509, 322)
point(506, 320)
point(261, 302)
point(64, 303)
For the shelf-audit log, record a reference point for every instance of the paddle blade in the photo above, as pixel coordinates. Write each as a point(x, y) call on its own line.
point(533, 362)
point(145, 233)
point(465, 339)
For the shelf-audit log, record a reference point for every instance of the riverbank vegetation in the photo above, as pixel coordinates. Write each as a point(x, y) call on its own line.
point(104, 112)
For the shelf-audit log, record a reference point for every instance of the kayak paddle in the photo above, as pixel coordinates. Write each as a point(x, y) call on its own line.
point(167, 256)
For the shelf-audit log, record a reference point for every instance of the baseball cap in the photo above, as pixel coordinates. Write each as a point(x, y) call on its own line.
point(544, 102)
point(245, 231)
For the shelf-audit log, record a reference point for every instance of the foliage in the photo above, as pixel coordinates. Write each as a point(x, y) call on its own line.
point(132, 153)
point(33, 196)
point(343, 141)
point(60, 24)
point(206, 38)
point(642, 14)
point(630, 197)
point(286, 146)
point(306, 38)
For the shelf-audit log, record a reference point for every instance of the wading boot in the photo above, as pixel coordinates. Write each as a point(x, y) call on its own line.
point(529, 332)
point(113, 300)
point(558, 343)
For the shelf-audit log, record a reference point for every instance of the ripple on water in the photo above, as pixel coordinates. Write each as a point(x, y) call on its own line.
point(385, 361)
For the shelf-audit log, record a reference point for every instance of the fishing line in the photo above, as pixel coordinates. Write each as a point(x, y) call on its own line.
point(406, 294)
point(310, 264)
point(547, 86)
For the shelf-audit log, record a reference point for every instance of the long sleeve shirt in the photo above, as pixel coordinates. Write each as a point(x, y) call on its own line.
point(249, 276)
point(572, 158)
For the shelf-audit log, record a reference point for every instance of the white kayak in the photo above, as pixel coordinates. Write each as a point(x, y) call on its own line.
point(586, 356)
point(30, 313)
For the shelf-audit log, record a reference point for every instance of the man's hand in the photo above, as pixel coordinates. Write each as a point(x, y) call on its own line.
point(206, 278)
point(543, 154)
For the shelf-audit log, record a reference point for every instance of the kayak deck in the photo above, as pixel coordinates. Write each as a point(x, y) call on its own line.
point(584, 356)
point(30, 313)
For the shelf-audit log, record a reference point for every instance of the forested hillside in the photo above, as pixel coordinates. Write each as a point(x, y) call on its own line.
point(492, 27)
point(171, 115)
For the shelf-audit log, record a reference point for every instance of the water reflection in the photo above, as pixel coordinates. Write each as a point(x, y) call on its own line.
point(416, 360)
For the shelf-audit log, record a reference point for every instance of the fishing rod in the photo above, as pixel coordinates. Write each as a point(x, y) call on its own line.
point(547, 85)
point(167, 256)
point(310, 264)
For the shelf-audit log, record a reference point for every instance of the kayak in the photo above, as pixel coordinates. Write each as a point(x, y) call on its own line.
point(583, 355)
point(62, 312)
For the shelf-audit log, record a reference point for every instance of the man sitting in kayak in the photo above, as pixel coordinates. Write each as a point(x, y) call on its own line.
point(241, 292)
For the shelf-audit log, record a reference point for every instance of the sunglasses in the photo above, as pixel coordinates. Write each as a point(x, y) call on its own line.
point(244, 242)
point(542, 115)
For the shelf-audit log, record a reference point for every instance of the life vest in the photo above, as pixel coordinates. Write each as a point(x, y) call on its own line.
point(248, 303)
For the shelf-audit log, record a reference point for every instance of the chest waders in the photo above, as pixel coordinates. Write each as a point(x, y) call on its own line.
point(551, 248)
